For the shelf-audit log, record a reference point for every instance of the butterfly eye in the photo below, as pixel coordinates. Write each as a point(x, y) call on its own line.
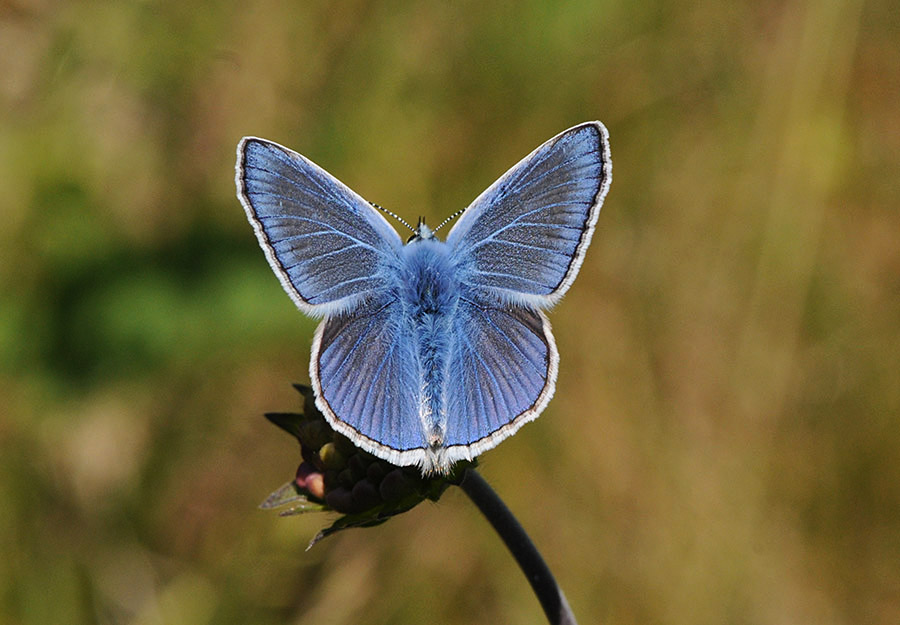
point(422, 231)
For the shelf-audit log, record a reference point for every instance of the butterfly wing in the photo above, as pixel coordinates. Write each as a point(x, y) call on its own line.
point(505, 361)
point(326, 244)
point(524, 238)
point(364, 370)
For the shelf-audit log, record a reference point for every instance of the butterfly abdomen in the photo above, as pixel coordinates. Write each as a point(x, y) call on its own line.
point(431, 296)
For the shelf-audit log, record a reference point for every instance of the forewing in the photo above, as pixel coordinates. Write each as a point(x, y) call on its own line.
point(504, 362)
point(524, 238)
point(364, 370)
point(327, 245)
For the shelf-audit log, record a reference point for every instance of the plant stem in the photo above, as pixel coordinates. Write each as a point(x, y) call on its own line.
point(519, 544)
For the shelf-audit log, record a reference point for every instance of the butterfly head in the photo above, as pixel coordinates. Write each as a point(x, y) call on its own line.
point(422, 232)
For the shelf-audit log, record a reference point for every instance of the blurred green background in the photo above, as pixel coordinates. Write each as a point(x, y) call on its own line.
point(724, 444)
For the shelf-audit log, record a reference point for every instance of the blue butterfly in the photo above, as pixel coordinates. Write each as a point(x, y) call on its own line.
point(430, 352)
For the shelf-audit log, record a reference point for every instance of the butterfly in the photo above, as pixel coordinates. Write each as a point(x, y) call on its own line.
point(432, 351)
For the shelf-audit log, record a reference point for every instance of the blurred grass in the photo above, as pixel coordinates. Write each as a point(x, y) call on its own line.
point(723, 446)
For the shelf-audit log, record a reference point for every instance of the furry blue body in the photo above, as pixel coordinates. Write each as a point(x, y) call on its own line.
point(429, 295)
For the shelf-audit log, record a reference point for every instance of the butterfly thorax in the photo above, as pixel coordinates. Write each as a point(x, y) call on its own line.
point(430, 296)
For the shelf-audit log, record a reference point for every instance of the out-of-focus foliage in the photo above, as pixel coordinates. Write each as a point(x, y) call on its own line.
point(724, 443)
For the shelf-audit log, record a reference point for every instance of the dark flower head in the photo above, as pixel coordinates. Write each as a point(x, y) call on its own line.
point(336, 475)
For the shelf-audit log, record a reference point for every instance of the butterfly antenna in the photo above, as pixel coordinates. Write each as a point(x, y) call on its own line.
point(394, 215)
point(449, 219)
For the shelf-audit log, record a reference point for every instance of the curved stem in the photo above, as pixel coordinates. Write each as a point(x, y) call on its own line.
point(519, 544)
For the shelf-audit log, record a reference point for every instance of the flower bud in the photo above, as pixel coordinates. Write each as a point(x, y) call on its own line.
point(336, 475)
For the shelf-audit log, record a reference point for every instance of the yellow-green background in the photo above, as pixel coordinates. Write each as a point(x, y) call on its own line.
point(724, 444)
